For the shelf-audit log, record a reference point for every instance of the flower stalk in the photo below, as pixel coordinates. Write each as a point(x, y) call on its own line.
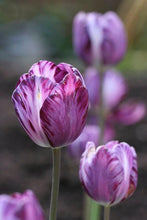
point(101, 115)
point(55, 183)
point(106, 212)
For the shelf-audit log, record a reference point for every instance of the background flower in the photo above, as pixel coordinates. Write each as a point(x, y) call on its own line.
point(115, 89)
point(20, 207)
point(99, 37)
point(91, 132)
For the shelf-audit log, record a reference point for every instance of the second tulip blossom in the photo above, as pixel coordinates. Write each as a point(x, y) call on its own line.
point(99, 38)
point(51, 103)
point(109, 172)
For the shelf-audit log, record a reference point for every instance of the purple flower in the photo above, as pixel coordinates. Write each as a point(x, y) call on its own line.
point(89, 133)
point(20, 207)
point(113, 93)
point(51, 103)
point(109, 172)
point(99, 38)
point(129, 112)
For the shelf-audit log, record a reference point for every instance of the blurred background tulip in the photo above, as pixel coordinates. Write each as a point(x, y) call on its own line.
point(91, 132)
point(99, 38)
point(20, 207)
point(117, 109)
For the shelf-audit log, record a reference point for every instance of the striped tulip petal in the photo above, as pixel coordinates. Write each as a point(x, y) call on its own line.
point(63, 114)
point(28, 99)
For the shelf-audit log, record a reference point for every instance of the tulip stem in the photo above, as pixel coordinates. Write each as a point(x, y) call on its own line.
point(101, 117)
point(106, 212)
point(55, 183)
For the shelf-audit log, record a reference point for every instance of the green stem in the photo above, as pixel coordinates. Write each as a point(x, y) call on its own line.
point(95, 210)
point(87, 206)
point(106, 212)
point(101, 107)
point(92, 209)
point(55, 183)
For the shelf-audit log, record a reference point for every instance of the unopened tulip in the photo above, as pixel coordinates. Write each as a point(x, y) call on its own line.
point(51, 103)
point(109, 172)
point(20, 207)
point(99, 38)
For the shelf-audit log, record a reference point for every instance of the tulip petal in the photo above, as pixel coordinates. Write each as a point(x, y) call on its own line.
point(28, 98)
point(82, 44)
point(68, 68)
point(129, 112)
point(114, 89)
point(124, 153)
point(63, 114)
point(92, 81)
point(114, 38)
point(45, 69)
point(133, 175)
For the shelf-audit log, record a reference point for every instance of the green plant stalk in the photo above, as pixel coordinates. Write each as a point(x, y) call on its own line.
point(101, 118)
point(106, 212)
point(93, 209)
point(55, 183)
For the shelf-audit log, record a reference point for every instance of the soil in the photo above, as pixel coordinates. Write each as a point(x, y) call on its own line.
point(27, 166)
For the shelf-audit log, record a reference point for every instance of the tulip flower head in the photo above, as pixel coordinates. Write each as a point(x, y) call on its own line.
point(20, 207)
point(114, 90)
point(51, 103)
point(109, 172)
point(99, 38)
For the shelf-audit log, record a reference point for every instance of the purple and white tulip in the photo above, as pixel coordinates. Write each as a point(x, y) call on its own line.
point(99, 37)
point(20, 207)
point(109, 172)
point(51, 103)
point(89, 133)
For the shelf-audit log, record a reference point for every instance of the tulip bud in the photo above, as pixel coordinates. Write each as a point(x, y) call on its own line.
point(51, 103)
point(99, 38)
point(109, 172)
point(20, 207)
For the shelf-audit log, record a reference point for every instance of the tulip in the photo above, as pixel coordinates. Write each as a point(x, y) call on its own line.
point(114, 90)
point(89, 133)
point(109, 172)
point(99, 37)
point(51, 103)
point(20, 207)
